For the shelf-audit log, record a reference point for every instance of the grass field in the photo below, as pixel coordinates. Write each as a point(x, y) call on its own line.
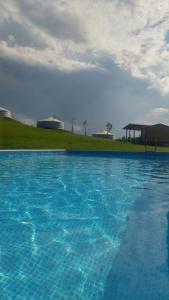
point(15, 135)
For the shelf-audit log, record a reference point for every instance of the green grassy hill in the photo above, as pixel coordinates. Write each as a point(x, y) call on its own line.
point(15, 135)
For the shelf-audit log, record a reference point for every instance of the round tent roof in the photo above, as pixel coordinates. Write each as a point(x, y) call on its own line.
point(3, 109)
point(51, 119)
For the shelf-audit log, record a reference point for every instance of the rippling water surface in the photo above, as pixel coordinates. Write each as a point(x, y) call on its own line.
point(62, 221)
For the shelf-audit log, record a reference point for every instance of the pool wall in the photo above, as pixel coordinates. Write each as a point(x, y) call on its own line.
point(126, 154)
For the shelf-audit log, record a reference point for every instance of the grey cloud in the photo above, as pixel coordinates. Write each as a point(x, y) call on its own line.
point(167, 37)
point(63, 25)
point(130, 3)
point(22, 35)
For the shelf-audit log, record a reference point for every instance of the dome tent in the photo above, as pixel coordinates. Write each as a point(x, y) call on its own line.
point(50, 123)
point(4, 113)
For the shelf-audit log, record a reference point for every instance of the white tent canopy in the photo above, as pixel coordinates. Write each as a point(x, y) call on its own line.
point(5, 113)
point(53, 119)
point(50, 123)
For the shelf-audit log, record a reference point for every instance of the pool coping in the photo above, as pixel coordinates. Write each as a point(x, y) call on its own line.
point(82, 151)
point(33, 150)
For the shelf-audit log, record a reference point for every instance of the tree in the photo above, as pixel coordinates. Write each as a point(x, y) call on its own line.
point(85, 124)
point(108, 127)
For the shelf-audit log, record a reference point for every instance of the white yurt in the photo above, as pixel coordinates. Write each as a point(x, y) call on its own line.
point(4, 113)
point(50, 123)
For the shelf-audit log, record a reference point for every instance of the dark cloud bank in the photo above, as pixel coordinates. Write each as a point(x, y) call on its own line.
point(36, 92)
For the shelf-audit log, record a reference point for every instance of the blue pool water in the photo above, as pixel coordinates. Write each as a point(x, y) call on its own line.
point(83, 227)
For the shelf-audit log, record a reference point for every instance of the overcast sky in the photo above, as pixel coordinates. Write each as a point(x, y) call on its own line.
point(95, 60)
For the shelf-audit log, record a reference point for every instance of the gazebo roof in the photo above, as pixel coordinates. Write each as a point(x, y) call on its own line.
point(160, 125)
point(136, 126)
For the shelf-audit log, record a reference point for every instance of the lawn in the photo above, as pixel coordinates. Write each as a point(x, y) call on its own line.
point(15, 135)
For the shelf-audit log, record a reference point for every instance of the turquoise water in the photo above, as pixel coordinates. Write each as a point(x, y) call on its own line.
point(64, 221)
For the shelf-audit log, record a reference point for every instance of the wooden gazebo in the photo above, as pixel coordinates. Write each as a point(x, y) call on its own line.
point(133, 128)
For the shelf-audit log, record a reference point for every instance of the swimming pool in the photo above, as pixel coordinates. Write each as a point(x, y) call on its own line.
point(84, 227)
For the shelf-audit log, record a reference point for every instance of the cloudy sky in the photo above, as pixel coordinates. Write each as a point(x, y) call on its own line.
point(100, 60)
